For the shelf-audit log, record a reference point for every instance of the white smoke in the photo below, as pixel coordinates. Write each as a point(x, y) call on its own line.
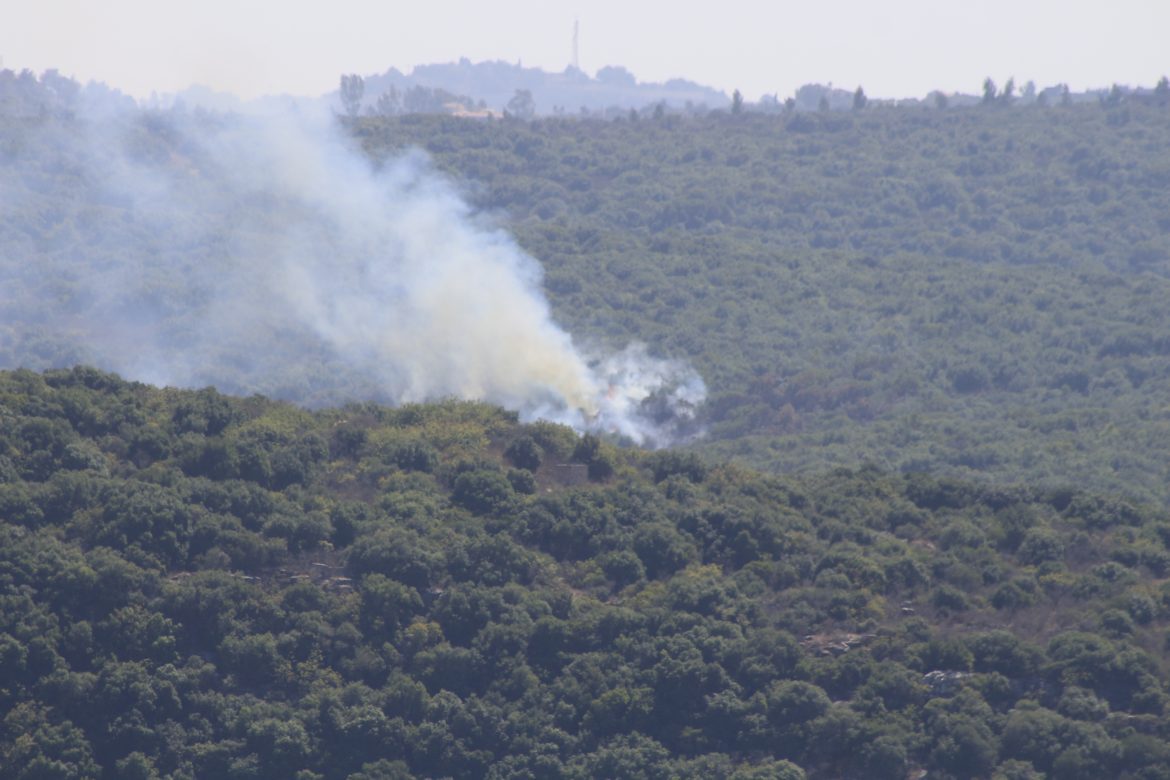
point(647, 399)
point(269, 255)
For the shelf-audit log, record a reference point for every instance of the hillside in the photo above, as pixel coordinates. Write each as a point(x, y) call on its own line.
point(196, 585)
point(976, 292)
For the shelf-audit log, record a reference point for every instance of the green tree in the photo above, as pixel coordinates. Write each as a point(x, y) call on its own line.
point(389, 103)
point(521, 105)
point(387, 605)
point(1162, 91)
point(524, 453)
point(483, 491)
point(736, 102)
point(1008, 95)
point(989, 91)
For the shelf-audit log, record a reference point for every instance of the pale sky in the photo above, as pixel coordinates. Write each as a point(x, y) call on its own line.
point(897, 48)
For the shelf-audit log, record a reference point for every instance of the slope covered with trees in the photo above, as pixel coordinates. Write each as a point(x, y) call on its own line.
point(195, 585)
point(976, 292)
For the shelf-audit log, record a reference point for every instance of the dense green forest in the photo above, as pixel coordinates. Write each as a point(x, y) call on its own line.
point(196, 585)
point(977, 292)
point(924, 529)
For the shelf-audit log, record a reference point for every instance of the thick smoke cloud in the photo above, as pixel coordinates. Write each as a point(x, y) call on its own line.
point(269, 255)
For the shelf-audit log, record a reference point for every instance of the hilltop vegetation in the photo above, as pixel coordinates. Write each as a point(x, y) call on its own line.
point(195, 585)
point(977, 292)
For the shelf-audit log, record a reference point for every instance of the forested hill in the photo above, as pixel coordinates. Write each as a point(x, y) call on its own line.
point(195, 585)
point(978, 292)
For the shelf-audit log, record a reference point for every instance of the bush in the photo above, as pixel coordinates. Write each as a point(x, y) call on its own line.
point(524, 453)
point(483, 491)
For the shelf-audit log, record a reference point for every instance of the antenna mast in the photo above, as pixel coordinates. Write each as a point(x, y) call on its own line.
point(576, 62)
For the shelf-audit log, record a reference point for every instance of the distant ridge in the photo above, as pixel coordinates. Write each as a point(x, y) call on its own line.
point(494, 84)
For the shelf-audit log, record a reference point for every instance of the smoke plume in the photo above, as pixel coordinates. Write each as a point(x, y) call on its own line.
point(269, 255)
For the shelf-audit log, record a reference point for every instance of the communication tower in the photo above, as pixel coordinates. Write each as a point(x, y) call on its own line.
point(576, 62)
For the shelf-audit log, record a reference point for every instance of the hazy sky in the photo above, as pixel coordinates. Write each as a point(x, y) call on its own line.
point(896, 48)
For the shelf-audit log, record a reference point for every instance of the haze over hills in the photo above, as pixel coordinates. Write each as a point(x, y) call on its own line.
point(490, 85)
point(495, 84)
